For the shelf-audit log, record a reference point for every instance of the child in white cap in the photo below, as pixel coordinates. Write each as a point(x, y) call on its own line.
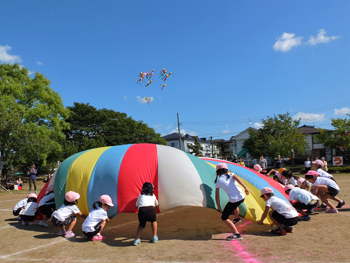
point(228, 183)
point(65, 215)
point(326, 189)
point(47, 205)
point(301, 199)
point(282, 213)
point(96, 220)
point(30, 211)
point(147, 204)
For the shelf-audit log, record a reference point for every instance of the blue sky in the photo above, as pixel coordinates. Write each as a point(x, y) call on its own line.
point(232, 62)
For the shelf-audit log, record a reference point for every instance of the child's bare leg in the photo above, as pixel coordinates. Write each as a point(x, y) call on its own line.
point(335, 198)
point(71, 225)
point(274, 220)
point(324, 200)
point(231, 226)
point(139, 232)
point(154, 226)
point(301, 211)
point(236, 212)
point(102, 226)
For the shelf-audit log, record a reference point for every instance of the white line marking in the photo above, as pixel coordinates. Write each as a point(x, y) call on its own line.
point(30, 249)
point(10, 200)
point(3, 210)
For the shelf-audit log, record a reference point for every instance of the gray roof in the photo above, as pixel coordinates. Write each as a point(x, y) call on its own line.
point(175, 136)
point(307, 129)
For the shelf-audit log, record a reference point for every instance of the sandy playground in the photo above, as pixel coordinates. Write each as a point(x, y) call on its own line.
point(186, 234)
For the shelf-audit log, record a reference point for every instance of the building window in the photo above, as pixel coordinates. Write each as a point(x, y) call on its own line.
point(172, 144)
point(314, 140)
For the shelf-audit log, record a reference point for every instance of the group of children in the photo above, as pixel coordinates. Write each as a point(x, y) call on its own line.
point(94, 223)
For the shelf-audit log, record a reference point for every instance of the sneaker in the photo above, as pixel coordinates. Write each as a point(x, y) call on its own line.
point(289, 229)
point(43, 223)
point(236, 220)
point(279, 231)
point(155, 239)
point(234, 236)
point(69, 234)
point(30, 192)
point(61, 232)
point(305, 218)
point(136, 242)
point(24, 223)
point(340, 204)
point(332, 210)
point(19, 219)
point(36, 192)
point(323, 206)
point(30, 223)
point(98, 238)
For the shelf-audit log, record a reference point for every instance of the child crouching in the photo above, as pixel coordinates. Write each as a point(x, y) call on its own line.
point(30, 211)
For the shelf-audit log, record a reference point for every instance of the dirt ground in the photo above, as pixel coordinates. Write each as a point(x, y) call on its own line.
point(186, 234)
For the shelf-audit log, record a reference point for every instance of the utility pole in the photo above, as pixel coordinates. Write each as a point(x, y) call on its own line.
point(212, 150)
point(178, 129)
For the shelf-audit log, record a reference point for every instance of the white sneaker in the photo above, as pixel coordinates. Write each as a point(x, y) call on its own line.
point(43, 223)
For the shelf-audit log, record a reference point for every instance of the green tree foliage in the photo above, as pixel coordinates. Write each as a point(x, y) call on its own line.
point(196, 147)
point(91, 128)
point(278, 136)
point(31, 117)
point(339, 139)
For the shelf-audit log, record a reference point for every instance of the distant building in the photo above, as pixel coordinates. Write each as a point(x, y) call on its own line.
point(209, 149)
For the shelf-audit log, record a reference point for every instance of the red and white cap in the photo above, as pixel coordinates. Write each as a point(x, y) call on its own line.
point(105, 199)
point(300, 181)
point(313, 173)
point(257, 167)
point(319, 162)
point(32, 195)
point(72, 196)
point(288, 187)
point(266, 190)
point(221, 166)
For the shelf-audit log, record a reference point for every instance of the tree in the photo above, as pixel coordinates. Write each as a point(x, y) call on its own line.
point(278, 136)
point(31, 117)
point(339, 139)
point(196, 147)
point(92, 128)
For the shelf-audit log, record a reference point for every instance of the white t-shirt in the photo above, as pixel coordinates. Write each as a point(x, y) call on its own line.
point(231, 187)
point(282, 207)
point(302, 196)
point(65, 211)
point(146, 200)
point(292, 181)
point(307, 164)
point(20, 204)
point(327, 182)
point(95, 216)
point(284, 181)
point(47, 198)
point(30, 209)
point(323, 173)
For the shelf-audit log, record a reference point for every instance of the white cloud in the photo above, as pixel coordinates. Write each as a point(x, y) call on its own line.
point(320, 38)
point(125, 97)
point(226, 131)
point(309, 117)
point(143, 100)
point(184, 132)
point(258, 125)
point(157, 126)
point(342, 111)
point(7, 58)
point(286, 42)
point(168, 127)
point(226, 125)
point(193, 133)
point(39, 63)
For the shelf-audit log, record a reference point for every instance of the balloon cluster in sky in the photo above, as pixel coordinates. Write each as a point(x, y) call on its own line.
point(147, 77)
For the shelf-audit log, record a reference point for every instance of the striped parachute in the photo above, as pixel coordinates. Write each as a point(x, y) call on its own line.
point(181, 179)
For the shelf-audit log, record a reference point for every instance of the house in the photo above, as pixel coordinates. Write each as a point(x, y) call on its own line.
point(209, 148)
point(238, 141)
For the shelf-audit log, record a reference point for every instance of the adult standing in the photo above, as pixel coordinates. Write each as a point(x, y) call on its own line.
point(263, 163)
point(325, 167)
point(279, 162)
point(307, 164)
point(235, 159)
point(32, 178)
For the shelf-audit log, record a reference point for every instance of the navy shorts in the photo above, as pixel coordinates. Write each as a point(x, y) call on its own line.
point(59, 223)
point(147, 214)
point(94, 233)
point(229, 208)
point(283, 220)
point(332, 191)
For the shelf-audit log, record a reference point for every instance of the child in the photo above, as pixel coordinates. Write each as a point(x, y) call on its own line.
point(317, 166)
point(47, 205)
point(303, 184)
point(236, 197)
point(65, 215)
point(326, 189)
point(303, 200)
point(19, 206)
point(147, 204)
point(283, 214)
point(288, 176)
point(29, 212)
point(278, 175)
point(96, 220)
point(258, 168)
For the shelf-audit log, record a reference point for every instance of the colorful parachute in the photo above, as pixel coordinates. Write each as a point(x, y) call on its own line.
point(181, 179)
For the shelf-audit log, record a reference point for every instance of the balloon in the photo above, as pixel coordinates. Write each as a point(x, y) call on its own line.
point(181, 179)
